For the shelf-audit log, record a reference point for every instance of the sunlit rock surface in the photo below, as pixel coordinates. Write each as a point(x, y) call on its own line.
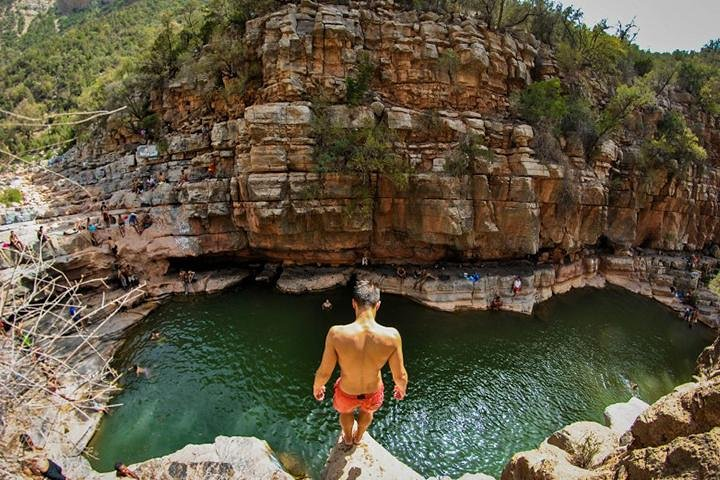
point(369, 460)
point(229, 458)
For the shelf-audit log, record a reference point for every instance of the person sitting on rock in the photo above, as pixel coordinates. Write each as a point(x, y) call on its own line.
point(132, 278)
point(516, 286)
point(401, 273)
point(45, 467)
point(122, 471)
point(133, 220)
point(161, 177)
point(122, 277)
point(15, 242)
point(184, 178)
point(186, 278)
point(150, 183)
point(105, 214)
point(496, 303)
point(126, 276)
point(92, 229)
point(121, 224)
point(44, 239)
point(113, 246)
point(327, 305)
point(137, 186)
point(145, 223)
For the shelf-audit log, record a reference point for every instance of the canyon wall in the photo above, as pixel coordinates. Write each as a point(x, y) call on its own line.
point(269, 201)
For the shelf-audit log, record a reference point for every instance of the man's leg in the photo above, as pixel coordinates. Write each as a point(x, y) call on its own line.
point(364, 420)
point(346, 423)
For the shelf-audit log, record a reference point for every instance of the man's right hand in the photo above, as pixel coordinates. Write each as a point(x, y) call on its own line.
point(319, 393)
point(398, 392)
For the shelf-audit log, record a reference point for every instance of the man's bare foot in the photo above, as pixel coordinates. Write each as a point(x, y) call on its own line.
point(348, 444)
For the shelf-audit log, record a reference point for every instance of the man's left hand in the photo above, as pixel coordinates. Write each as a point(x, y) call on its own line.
point(319, 393)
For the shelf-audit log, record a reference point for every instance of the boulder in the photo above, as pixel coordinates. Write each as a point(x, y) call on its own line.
point(229, 458)
point(547, 462)
point(587, 442)
point(620, 416)
point(692, 457)
point(690, 409)
point(303, 280)
point(369, 460)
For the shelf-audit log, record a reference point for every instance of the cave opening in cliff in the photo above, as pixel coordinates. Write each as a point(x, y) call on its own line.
point(205, 263)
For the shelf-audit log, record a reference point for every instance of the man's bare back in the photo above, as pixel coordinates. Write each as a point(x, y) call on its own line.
point(361, 348)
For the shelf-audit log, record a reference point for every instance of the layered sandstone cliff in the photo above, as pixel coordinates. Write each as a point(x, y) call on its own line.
point(269, 201)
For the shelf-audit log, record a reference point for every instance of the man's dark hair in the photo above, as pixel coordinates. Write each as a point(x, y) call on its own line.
point(366, 293)
point(118, 465)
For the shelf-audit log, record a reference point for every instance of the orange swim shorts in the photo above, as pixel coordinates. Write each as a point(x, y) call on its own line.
point(369, 402)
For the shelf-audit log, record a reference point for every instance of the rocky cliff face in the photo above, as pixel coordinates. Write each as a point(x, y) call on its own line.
point(267, 199)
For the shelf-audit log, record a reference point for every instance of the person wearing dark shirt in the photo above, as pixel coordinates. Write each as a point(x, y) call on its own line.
point(45, 467)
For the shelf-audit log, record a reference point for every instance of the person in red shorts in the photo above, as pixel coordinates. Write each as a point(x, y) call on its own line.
point(362, 349)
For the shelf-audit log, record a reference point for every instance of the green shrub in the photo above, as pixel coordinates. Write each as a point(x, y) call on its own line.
point(9, 196)
point(580, 120)
point(365, 150)
point(235, 13)
point(542, 102)
point(357, 85)
point(469, 148)
point(710, 95)
point(700, 75)
point(673, 147)
point(627, 99)
point(586, 48)
point(692, 75)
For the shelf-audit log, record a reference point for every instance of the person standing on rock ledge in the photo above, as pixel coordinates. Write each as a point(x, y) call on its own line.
point(361, 348)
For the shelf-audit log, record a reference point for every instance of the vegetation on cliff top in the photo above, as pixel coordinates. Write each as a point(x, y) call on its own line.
point(99, 57)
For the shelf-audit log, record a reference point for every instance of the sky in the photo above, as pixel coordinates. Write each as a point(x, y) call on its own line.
point(665, 25)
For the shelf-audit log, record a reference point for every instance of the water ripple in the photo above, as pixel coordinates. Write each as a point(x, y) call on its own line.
point(482, 386)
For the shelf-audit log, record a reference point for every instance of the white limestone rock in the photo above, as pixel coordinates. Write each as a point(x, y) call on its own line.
point(573, 436)
point(229, 458)
point(619, 417)
point(367, 461)
point(302, 280)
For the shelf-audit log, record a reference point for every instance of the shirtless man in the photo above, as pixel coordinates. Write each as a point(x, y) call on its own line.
point(361, 348)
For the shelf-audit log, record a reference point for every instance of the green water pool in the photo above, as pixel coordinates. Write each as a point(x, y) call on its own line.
point(483, 385)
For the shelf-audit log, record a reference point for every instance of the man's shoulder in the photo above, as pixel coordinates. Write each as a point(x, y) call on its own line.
point(388, 332)
point(339, 330)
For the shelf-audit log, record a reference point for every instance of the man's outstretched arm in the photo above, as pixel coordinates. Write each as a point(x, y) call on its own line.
point(397, 367)
point(327, 365)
